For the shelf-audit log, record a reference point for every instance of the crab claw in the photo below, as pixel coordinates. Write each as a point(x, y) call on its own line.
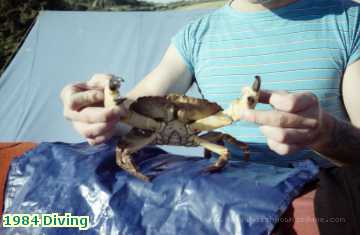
point(257, 83)
point(115, 82)
point(119, 100)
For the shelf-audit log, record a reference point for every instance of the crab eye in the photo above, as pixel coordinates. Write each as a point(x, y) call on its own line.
point(251, 100)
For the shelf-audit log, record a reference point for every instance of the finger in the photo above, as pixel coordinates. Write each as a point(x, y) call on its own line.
point(83, 99)
point(99, 80)
point(264, 96)
point(96, 114)
point(91, 131)
point(69, 90)
point(289, 135)
point(81, 86)
point(294, 102)
point(279, 119)
point(101, 139)
point(281, 148)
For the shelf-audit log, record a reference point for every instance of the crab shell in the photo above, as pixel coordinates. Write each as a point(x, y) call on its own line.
point(174, 113)
point(174, 107)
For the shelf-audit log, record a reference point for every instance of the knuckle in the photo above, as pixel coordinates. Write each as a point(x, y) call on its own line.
point(315, 124)
point(108, 76)
point(102, 127)
point(88, 134)
point(292, 102)
point(92, 96)
point(72, 104)
point(283, 136)
point(66, 114)
point(101, 76)
point(62, 93)
point(65, 91)
point(313, 97)
point(95, 76)
point(100, 139)
point(282, 120)
point(109, 115)
point(87, 118)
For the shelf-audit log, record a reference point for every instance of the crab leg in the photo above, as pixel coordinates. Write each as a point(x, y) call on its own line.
point(112, 98)
point(212, 122)
point(221, 150)
point(129, 144)
point(140, 121)
point(232, 114)
point(217, 137)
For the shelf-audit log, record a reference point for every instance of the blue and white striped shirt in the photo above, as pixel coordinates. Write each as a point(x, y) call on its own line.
point(304, 46)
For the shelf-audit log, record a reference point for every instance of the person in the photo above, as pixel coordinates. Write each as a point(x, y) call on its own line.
point(306, 51)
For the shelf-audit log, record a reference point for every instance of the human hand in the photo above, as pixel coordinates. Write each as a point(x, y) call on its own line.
point(295, 122)
point(83, 106)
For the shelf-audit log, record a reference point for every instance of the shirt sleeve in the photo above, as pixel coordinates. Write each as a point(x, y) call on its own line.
point(184, 42)
point(354, 32)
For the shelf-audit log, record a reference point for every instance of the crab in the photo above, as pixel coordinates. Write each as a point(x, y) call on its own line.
point(180, 120)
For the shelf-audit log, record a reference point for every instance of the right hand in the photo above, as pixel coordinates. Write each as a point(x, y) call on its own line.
point(84, 107)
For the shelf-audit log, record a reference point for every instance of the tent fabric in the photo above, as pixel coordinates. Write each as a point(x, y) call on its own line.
point(245, 198)
point(66, 47)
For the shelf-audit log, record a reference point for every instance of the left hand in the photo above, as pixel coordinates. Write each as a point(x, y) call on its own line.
point(295, 122)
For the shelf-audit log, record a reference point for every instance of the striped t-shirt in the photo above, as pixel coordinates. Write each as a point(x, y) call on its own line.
point(304, 46)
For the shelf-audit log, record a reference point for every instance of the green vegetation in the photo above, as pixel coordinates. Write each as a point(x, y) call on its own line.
point(202, 5)
point(17, 16)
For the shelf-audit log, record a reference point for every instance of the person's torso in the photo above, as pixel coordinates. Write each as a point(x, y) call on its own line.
point(303, 47)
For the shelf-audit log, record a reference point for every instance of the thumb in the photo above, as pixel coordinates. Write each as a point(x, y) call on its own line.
point(99, 81)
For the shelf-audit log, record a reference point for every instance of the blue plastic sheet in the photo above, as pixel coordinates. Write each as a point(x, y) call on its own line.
point(245, 198)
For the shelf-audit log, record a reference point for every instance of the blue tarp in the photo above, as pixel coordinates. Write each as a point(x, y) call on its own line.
point(245, 198)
